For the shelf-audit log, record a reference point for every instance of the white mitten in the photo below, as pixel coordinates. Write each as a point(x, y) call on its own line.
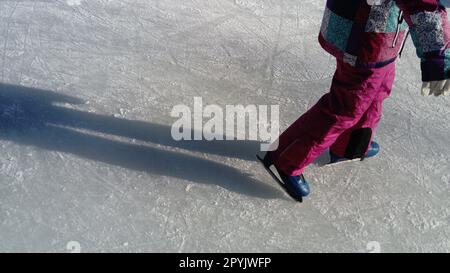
point(436, 88)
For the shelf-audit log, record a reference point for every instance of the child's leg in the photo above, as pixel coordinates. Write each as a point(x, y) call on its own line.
point(354, 142)
point(353, 91)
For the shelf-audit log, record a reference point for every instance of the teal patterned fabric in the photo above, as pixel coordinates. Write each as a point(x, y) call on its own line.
point(339, 30)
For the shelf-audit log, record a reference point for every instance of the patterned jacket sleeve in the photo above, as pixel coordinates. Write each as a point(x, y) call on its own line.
point(430, 31)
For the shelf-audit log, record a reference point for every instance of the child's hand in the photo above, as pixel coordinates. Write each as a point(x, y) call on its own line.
point(436, 88)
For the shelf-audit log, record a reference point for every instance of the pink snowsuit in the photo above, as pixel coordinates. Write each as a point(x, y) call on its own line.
point(344, 118)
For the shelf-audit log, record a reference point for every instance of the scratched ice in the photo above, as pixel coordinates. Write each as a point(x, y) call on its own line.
point(87, 162)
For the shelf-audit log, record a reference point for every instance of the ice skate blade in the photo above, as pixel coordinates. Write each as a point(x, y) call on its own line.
point(275, 177)
point(342, 161)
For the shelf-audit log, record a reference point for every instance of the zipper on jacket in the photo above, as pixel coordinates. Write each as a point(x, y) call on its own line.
point(397, 32)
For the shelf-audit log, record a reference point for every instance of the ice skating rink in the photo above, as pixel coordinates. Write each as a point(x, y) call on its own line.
point(87, 162)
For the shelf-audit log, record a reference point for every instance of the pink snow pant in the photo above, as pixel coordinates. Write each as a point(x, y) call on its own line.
point(342, 120)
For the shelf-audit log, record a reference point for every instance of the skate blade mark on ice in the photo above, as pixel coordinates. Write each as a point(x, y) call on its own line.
point(277, 179)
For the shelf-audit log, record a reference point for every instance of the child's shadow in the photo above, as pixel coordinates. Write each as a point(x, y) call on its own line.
point(30, 117)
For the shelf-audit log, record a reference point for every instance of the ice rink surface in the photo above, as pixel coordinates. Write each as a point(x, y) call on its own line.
point(87, 161)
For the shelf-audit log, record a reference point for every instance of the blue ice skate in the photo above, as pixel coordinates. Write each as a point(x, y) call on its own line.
point(296, 186)
point(374, 149)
